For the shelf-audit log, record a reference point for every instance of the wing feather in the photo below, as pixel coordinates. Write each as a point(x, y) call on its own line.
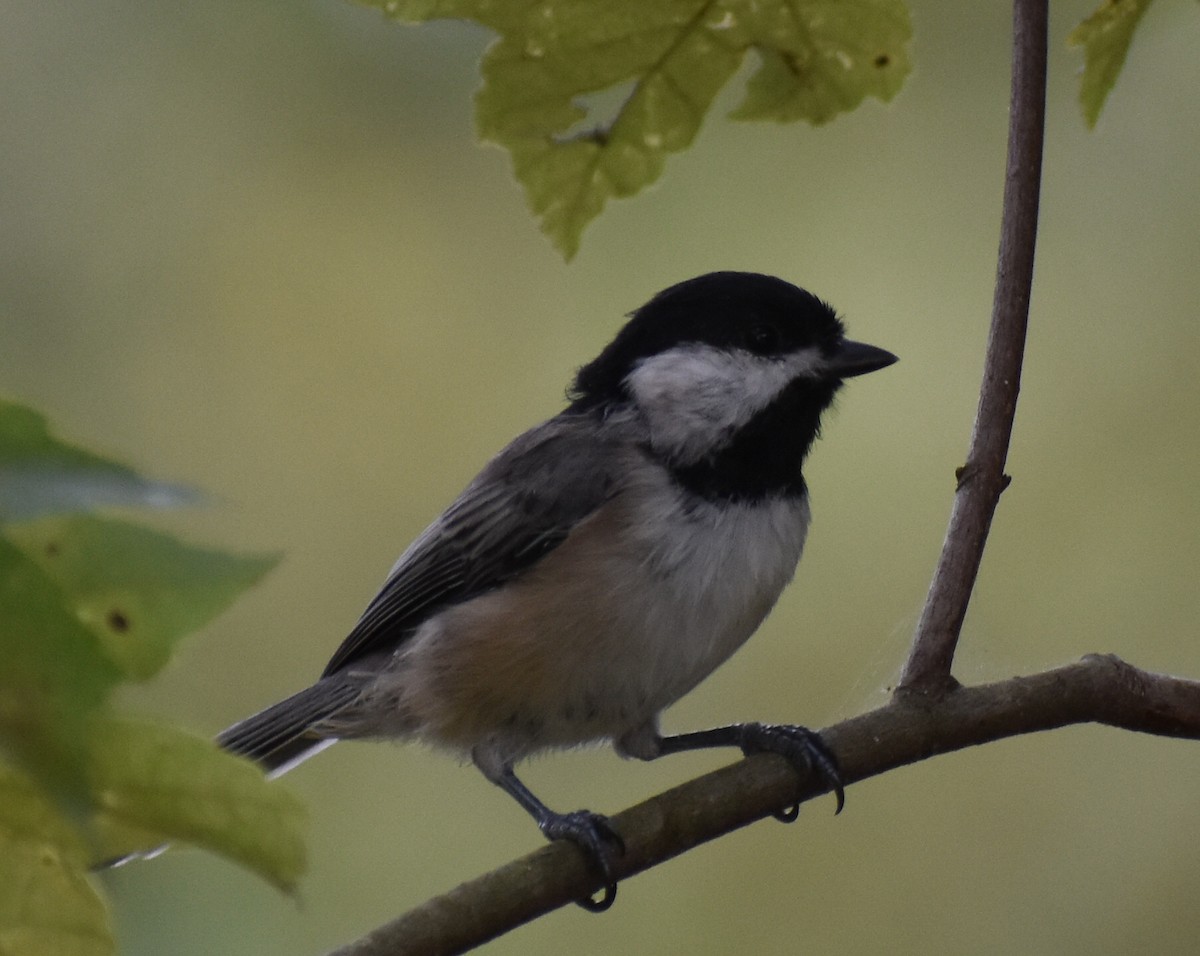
point(520, 507)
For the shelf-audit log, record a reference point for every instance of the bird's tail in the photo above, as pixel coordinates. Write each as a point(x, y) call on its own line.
point(279, 737)
point(286, 733)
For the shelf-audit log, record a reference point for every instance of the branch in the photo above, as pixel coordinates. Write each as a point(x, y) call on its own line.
point(1098, 689)
point(982, 480)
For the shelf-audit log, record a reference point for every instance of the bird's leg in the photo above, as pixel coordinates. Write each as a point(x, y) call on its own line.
point(590, 831)
point(803, 748)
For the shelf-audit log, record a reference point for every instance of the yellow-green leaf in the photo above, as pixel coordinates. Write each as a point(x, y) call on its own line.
point(531, 81)
point(139, 591)
point(490, 13)
point(823, 57)
point(86, 603)
point(48, 906)
point(1105, 37)
point(41, 475)
point(819, 57)
point(148, 778)
point(54, 675)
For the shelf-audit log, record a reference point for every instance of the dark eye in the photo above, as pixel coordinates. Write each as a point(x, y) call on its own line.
point(762, 338)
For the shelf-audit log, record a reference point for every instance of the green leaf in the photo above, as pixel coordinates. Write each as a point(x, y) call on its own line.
point(54, 675)
point(86, 603)
point(819, 57)
point(48, 907)
point(147, 778)
point(139, 591)
point(139, 778)
point(41, 475)
point(491, 13)
point(823, 58)
point(1105, 37)
point(527, 103)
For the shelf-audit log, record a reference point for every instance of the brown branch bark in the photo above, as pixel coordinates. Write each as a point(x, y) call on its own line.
point(1099, 689)
point(982, 480)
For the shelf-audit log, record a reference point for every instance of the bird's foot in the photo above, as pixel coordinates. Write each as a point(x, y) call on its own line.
point(599, 841)
point(804, 749)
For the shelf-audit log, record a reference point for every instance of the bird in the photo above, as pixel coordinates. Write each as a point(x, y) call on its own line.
point(605, 562)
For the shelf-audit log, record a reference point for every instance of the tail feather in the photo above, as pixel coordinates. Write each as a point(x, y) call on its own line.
point(282, 735)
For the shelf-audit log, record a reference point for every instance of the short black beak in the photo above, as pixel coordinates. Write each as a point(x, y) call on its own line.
point(857, 358)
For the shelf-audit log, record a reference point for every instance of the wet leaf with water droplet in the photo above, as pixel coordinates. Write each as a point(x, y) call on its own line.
point(819, 58)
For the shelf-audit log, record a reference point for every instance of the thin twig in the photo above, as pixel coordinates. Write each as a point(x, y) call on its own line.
point(911, 728)
point(982, 480)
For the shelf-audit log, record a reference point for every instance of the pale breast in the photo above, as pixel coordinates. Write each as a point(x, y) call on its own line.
point(640, 603)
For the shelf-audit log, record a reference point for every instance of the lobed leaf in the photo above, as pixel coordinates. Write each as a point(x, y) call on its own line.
point(819, 58)
point(824, 57)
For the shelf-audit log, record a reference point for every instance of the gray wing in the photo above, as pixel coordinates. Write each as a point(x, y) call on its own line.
point(521, 506)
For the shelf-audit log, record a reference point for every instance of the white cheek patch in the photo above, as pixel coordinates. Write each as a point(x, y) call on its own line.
point(696, 396)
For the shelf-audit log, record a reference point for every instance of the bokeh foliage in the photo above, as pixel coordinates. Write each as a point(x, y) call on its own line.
point(1105, 37)
point(88, 603)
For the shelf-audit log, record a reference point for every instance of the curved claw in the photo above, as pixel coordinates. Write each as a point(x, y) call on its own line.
point(790, 815)
point(805, 750)
point(593, 834)
point(600, 905)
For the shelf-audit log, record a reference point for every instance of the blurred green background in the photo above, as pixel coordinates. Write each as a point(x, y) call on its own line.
point(253, 247)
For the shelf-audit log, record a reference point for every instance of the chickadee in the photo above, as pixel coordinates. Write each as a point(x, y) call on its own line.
point(605, 562)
